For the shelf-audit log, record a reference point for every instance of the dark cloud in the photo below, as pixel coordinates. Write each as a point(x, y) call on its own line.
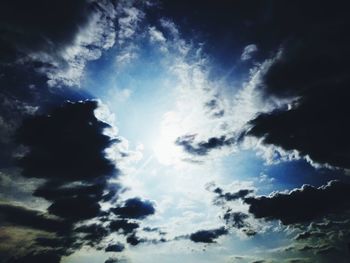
point(17, 215)
point(66, 145)
point(58, 243)
point(154, 229)
point(119, 247)
point(116, 260)
point(316, 128)
point(302, 205)
point(310, 234)
point(39, 26)
point(66, 149)
point(93, 234)
point(187, 142)
point(76, 208)
point(123, 225)
point(236, 219)
point(312, 66)
point(63, 238)
point(135, 208)
point(42, 257)
point(53, 192)
point(223, 197)
point(208, 236)
point(232, 219)
point(134, 240)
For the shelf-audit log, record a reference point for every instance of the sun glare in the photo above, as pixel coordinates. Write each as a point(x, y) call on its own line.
point(165, 149)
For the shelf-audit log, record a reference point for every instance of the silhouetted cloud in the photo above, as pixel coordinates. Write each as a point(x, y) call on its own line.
point(37, 25)
point(134, 240)
point(312, 67)
point(208, 236)
point(302, 205)
point(93, 234)
point(20, 216)
point(75, 208)
point(309, 234)
point(123, 225)
point(41, 257)
point(135, 208)
point(227, 197)
point(66, 145)
point(119, 247)
point(187, 142)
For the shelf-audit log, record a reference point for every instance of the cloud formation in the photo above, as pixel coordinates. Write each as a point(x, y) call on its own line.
point(135, 208)
point(187, 142)
point(303, 204)
point(208, 236)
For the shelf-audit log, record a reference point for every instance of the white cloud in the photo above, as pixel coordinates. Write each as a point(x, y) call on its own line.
point(129, 18)
point(248, 52)
point(156, 35)
point(129, 22)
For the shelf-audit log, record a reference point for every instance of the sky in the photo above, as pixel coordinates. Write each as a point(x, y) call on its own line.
point(139, 131)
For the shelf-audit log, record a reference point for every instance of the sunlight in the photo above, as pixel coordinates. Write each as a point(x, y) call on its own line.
point(165, 149)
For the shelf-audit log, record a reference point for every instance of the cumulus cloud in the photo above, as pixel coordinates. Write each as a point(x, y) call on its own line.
point(67, 144)
point(208, 236)
point(66, 149)
point(303, 204)
point(135, 208)
point(124, 226)
point(312, 68)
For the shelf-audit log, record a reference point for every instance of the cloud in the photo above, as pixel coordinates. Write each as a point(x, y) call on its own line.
point(123, 225)
point(204, 147)
point(42, 257)
point(93, 234)
point(312, 68)
point(47, 237)
point(227, 197)
point(135, 208)
point(129, 20)
point(60, 50)
point(301, 205)
point(117, 260)
point(309, 234)
point(66, 149)
point(248, 52)
point(75, 208)
point(236, 219)
point(156, 36)
point(134, 240)
point(208, 236)
point(119, 247)
point(66, 145)
point(17, 215)
point(37, 25)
